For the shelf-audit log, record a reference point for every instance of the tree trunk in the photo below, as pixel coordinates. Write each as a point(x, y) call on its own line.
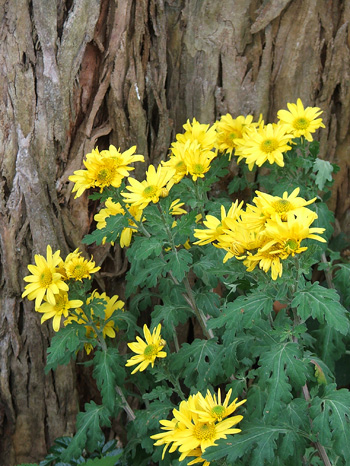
point(81, 73)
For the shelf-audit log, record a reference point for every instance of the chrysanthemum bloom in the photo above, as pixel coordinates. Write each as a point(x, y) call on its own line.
point(199, 434)
point(197, 160)
point(230, 130)
point(287, 236)
point(268, 259)
point(266, 205)
point(124, 159)
point(147, 351)
point(214, 226)
point(204, 135)
point(151, 189)
point(268, 143)
point(300, 121)
point(177, 161)
point(59, 309)
point(212, 410)
point(77, 267)
point(82, 180)
point(45, 279)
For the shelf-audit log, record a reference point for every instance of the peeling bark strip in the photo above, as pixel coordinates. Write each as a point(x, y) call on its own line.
point(81, 73)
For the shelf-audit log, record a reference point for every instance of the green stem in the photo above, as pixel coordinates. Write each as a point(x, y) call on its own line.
point(199, 198)
point(125, 405)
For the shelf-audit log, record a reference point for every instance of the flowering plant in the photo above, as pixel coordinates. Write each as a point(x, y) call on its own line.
point(222, 265)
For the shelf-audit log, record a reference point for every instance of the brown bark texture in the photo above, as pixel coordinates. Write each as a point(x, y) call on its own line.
point(81, 73)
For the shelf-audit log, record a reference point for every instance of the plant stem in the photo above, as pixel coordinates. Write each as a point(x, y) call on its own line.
point(127, 408)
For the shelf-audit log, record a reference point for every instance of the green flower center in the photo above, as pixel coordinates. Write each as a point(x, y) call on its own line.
point(269, 145)
point(150, 191)
point(291, 245)
point(80, 271)
point(282, 206)
point(61, 302)
point(198, 169)
point(218, 411)
point(301, 123)
point(204, 431)
point(45, 278)
point(105, 176)
point(235, 135)
point(180, 166)
point(150, 351)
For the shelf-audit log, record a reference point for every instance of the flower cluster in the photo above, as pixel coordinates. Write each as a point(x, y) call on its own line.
point(265, 233)
point(48, 283)
point(257, 143)
point(197, 424)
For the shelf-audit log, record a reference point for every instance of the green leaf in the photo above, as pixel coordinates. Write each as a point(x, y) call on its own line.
point(114, 226)
point(341, 280)
point(142, 248)
point(245, 312)
point(64, 346)
point(281, 369)
point(321, 304)
point(108, 372)
point(178, 263)
point(89, 431)
point(106, 461)
point(258, 440)
point(146, 273)
point(331, 419)
point(200, 362)
point(171, 315)
point(323, 170)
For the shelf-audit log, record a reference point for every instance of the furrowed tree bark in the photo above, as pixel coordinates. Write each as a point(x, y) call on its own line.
point(81, 73)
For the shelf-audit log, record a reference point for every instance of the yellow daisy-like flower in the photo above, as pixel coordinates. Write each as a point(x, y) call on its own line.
point(124, 159)
point(300, 121)
point(177, 161)
point(77, 267)
point(268, 143)
point(176, 208)
point(147, 351)
point(230, 130)
point(105, 168)
point(215, 227)
point(192, 429)
point(59, 309)
point(211, 408)
point(45, 279)
point(199, 434)
point(151, 189)
point(197, 160)
point(268, 259)
point(204, 135)
point(287, 236)
point(266, 205)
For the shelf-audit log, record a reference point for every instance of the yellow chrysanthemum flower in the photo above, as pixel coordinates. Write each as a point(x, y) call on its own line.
point(204, 135)
point(77, 267)
point(176, 208)
point(200, 434)
point(300, 121)
point(177, 161)
point(268, 259)
point(197, 160)
point(214, 226)
point(45, 279)
point(266, 205)
point(147, 351)
point(287, 236)
point(191, 431)
point(230, 130)
point(105, 168)
point(267, 143)
point(156, 185)
point(212, 410)
point(59, 309)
